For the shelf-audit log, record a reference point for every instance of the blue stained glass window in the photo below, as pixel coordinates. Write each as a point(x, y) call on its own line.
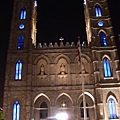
point(107, 69)
point(16, 111)
point(18, 70)
point(103, 39)
point(98, 11)
point(23, 13)
point(21, 26)
point(100, 23)
point(20, 42)
point(112, 109)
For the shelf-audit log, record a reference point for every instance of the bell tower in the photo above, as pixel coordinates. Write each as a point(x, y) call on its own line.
point(98, 23)
point(100, 36)
point(23, 25)
point(19, 58)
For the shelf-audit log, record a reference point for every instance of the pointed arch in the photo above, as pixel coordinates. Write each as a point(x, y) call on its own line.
point(23, 13)
point(112, 107)
point(106, 57)
point(63, 101)
point(111, 95)
point(20, 43)
point(65, 94)
point(82, 110)
point(40, 95)
point(98, 11)
point(18, 70)
point(41, 105)
point(16, 111)
point(43, 110)
point(41, 57)
point(90, 101)
point(62, 64)
point(88, 94)
point(62, 56)
point(102, 37)
point(107, 67)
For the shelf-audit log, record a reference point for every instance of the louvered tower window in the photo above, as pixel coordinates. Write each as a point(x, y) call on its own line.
point(102, 37)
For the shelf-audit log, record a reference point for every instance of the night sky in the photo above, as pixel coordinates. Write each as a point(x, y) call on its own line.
point(57, 18)
point(60, 18)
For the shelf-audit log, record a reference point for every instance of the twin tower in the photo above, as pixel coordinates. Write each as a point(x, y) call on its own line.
point(44, 81)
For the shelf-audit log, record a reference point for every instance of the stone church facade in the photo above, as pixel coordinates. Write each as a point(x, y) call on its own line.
point(45, 80)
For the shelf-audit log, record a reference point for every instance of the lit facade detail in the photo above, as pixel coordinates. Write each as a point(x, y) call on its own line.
point(44, 80)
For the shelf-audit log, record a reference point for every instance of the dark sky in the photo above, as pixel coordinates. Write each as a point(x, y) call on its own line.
point(57, 18)
point(66, 18)
point(60, 18)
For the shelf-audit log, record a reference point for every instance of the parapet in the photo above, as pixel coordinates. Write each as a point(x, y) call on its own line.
point(60, 45)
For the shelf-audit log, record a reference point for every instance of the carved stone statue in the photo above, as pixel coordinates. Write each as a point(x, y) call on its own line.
point(62, 69)
point(83, 68)
point(42, 70)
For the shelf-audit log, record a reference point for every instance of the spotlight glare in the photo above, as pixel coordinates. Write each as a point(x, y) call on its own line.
point(61, 116)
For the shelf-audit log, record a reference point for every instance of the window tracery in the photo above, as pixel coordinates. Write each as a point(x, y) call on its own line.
point(18, 70)
point(23, 13)
point(16, 111)
point(98, 11)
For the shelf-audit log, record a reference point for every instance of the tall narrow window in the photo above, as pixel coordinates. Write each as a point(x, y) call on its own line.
point(23, 13)
point(103, 39)
point(107, 69)
point(18, 70)
point(82, 110)
point(16, 111)
point(20, 42)
point(112, 109)
point(35, 3)
point(98, 11)
point(43, 110)
point(84, 2)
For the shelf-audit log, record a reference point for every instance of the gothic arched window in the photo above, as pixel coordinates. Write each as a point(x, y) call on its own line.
point(18, 70)
point(103, 39)
point(20, 44)
point(16, 111)
point(112, 108)
point(23, 13)
point(43, 110)
point(35, 3)
point(98, 11)
point(107, 68)
point(82, 110)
